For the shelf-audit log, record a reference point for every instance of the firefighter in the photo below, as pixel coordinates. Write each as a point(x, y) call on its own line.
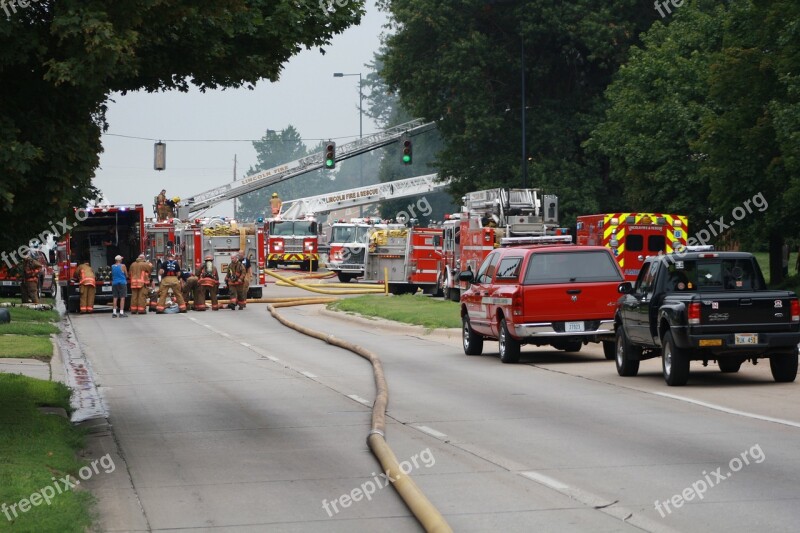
point(189, 288)
point(29, 287)
point(208, 280)
point(234, 280)
point(85, 276)
point(276, 204)
point(162, 210)
point(248, 273)
point(170, 271)
point(140, 278)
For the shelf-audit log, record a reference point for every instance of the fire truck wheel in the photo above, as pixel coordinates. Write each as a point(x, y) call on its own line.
point(609, 349)
point(272, 264)
point(473, 343)
point(454, 294)
point(73, 305)
point(344, 277)
point(509, 346)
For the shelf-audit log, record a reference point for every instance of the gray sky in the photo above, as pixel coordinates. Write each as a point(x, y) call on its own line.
point(307, 96)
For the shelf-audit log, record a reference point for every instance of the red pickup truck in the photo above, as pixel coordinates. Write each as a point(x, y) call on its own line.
point(564, 296)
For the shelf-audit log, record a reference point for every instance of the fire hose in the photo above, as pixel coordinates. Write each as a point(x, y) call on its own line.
point(425, 512)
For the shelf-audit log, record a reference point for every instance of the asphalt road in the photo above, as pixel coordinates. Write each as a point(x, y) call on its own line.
point(228, 421)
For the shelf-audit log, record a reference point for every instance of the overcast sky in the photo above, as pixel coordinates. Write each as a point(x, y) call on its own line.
point(306, 96)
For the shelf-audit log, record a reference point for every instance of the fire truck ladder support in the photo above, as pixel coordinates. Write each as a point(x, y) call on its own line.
point(325, 203)
point(424, 511)
point(301, 166)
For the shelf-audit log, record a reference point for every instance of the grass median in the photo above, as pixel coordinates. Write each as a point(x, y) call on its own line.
point(35, 448)
point(417, 310)
point(27, 335)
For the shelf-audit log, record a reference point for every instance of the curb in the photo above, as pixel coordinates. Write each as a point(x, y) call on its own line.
point(396, 327)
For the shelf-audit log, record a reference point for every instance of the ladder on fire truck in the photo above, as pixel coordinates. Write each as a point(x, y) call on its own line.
point(325, 203)
point(298, 167)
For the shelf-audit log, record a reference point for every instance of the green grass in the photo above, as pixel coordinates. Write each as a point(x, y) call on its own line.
point(34, 448)
point(23, 314)
point(25, 346)
point(27, 328)
point(417, 310)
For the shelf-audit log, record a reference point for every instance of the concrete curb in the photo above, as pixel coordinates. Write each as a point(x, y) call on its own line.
point(396, 327)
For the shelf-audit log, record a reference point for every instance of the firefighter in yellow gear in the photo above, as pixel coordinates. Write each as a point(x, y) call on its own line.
point(208, 281)
point(140, 284)
point(190, 287)
point(247, 263)
point(170, 280)
point(29, 286)
point(85, 276)
point(234, 279)
point(275, 203)
point(162, 209)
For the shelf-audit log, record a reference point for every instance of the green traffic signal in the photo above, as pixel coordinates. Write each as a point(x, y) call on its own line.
point(330, 155)
point(407, 152)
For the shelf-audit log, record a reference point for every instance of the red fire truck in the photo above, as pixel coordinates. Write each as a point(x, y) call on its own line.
point(100, 234)
point(485, 219)
point(218, 237)
point(633, 236)
point(293, 241)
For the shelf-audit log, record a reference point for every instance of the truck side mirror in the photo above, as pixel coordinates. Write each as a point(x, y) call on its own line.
point(466, 275)
point(625, 287)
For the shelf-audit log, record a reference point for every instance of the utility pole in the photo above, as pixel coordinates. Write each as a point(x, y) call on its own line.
point(524, 147)
point(234, 179)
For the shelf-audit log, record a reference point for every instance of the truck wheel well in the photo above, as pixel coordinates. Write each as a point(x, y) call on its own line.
point(663, 328)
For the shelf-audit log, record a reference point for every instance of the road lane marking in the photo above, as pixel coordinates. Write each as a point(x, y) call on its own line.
point(729, 410)
point(432, 432)
point(359, 399)
point(245, 344)
point(308, 375)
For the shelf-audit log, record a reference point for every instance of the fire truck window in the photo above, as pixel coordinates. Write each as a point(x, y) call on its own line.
point(509, 268)
point(656, 243)
point(634, 243)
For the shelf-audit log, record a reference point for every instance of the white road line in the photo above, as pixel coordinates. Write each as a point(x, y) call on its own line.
point(208, 326)
point(359, 399)
point(432, 432)
point(192, 319)
point(228, 335)
point(308, 375)
point(730, 411)
point(245, 344)
point(273, 359)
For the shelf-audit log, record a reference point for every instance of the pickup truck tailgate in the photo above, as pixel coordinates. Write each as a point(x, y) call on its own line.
point(722, 309)
point(576, 301)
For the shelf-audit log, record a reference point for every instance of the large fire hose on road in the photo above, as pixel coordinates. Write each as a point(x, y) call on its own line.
point(428, 516)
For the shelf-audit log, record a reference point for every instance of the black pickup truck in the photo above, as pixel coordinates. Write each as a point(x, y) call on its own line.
point(703, 306)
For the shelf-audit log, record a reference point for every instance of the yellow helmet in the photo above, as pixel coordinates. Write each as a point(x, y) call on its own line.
point(176, 199)
point(274, 195)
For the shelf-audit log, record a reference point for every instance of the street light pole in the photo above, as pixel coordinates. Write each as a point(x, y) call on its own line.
point(360, 129)
point(524, 147)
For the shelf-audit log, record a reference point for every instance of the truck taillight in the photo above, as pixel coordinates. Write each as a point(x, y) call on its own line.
point(517, 303)
point(694, 313)
point(795, 310)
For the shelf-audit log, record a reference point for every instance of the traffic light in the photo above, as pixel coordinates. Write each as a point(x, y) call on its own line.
point(407, 155)
point(330, 155)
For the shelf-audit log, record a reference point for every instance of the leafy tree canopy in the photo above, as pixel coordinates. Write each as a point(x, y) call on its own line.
point(60, 61)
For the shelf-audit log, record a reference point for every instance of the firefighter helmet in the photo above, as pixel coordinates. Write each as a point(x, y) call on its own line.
point(209, 257)
point(176, 199)
point(274, 195)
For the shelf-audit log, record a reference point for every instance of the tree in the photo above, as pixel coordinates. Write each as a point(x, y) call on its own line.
point(60, 61)
point(460, 64)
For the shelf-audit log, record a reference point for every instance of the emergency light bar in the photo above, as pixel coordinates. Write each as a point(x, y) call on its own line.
point(548, 239)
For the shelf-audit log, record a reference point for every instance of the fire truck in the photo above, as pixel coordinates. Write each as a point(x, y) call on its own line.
point(486, 218)
point(349, 241)
point(219, 237)
point(632, 237)
point(293, 241)
point(101, 233)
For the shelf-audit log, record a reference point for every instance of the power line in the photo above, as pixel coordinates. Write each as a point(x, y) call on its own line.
point(223, 140)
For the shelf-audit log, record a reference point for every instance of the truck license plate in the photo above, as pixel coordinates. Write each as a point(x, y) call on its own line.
point(8, 283)
point(746, 338)
point(573, 327)
point(105, 288)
